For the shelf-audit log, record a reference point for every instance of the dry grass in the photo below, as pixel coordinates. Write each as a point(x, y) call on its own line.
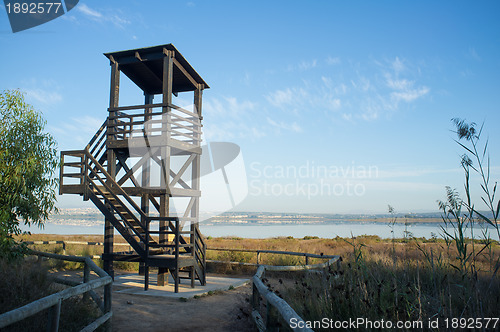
point(408, 282)
point(374, 247)
point(25, 282)
point(393, 279)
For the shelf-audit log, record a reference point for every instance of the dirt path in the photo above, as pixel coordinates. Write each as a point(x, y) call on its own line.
point(224, 311)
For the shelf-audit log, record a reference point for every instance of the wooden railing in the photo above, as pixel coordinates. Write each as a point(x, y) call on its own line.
point(196, 246)
point(274, 304)
point(72, 170)
point(73, 167)
point(307, 256)
point(64, 245)
point(277, 308)
point(97, 145)
point(53, 302)
point(133, 121)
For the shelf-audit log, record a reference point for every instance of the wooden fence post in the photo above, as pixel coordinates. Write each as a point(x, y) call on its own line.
point(255, 298)
point(53, 319)
point(86, 278)
point(107, 305)
point(271, 318)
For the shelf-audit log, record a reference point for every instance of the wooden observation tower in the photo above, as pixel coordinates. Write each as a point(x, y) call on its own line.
point(142, 167)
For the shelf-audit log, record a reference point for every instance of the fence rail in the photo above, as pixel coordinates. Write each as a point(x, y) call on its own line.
point(53, 302)
point(155, 120)
point(274, 304)
point(66, 243)
point(258, 252)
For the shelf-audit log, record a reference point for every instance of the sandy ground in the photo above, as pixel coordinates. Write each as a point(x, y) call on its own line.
point(225, 311)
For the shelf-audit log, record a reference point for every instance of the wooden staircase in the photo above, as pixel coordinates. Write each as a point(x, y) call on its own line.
point(144, 210)
point(182, 252)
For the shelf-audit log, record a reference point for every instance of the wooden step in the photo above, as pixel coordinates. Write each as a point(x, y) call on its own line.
point(168, 261)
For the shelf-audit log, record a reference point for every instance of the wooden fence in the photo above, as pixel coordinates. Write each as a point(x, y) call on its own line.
point(259, 252)
point(274, 304)
point(53, 302)
point(65, 244)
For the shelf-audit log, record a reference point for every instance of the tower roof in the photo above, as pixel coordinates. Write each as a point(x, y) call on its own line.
point(144, 66)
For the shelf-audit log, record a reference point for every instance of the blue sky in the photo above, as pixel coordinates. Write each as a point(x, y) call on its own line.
point(320, 85)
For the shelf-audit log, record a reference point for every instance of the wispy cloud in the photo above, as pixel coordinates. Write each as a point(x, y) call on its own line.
point(473, 54)
point(409, 95)
point(231, 130)
point(306, 65)
point(229, 118)
point(372, 90)
point(281, 125)
point(44, 92)
point(78, 131)
point(227, 106)
point(83, 8)
point(402, 84)
point(287, 97)
point(339, 89)
point(43, 96)
point(332, 60)
point(87, 123)
point(303, 65)
point(398, 65)
point(377, 96)
point(115, 17)
point(405, 90)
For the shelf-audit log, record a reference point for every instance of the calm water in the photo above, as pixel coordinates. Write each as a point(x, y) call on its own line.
point(298, 231)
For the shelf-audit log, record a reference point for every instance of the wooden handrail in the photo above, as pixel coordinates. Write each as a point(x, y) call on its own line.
point(98, 133)
point(179, 118)
point(275, 302)
point(125, 115)
point(120, 213)
point(136, 107)
point(259, 288)
point(115, 185)
point(54, 301)
point(73, 153)
point(292, 253)
point(133, 123)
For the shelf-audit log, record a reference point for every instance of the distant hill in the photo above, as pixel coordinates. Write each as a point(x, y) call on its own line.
point(92, 216)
